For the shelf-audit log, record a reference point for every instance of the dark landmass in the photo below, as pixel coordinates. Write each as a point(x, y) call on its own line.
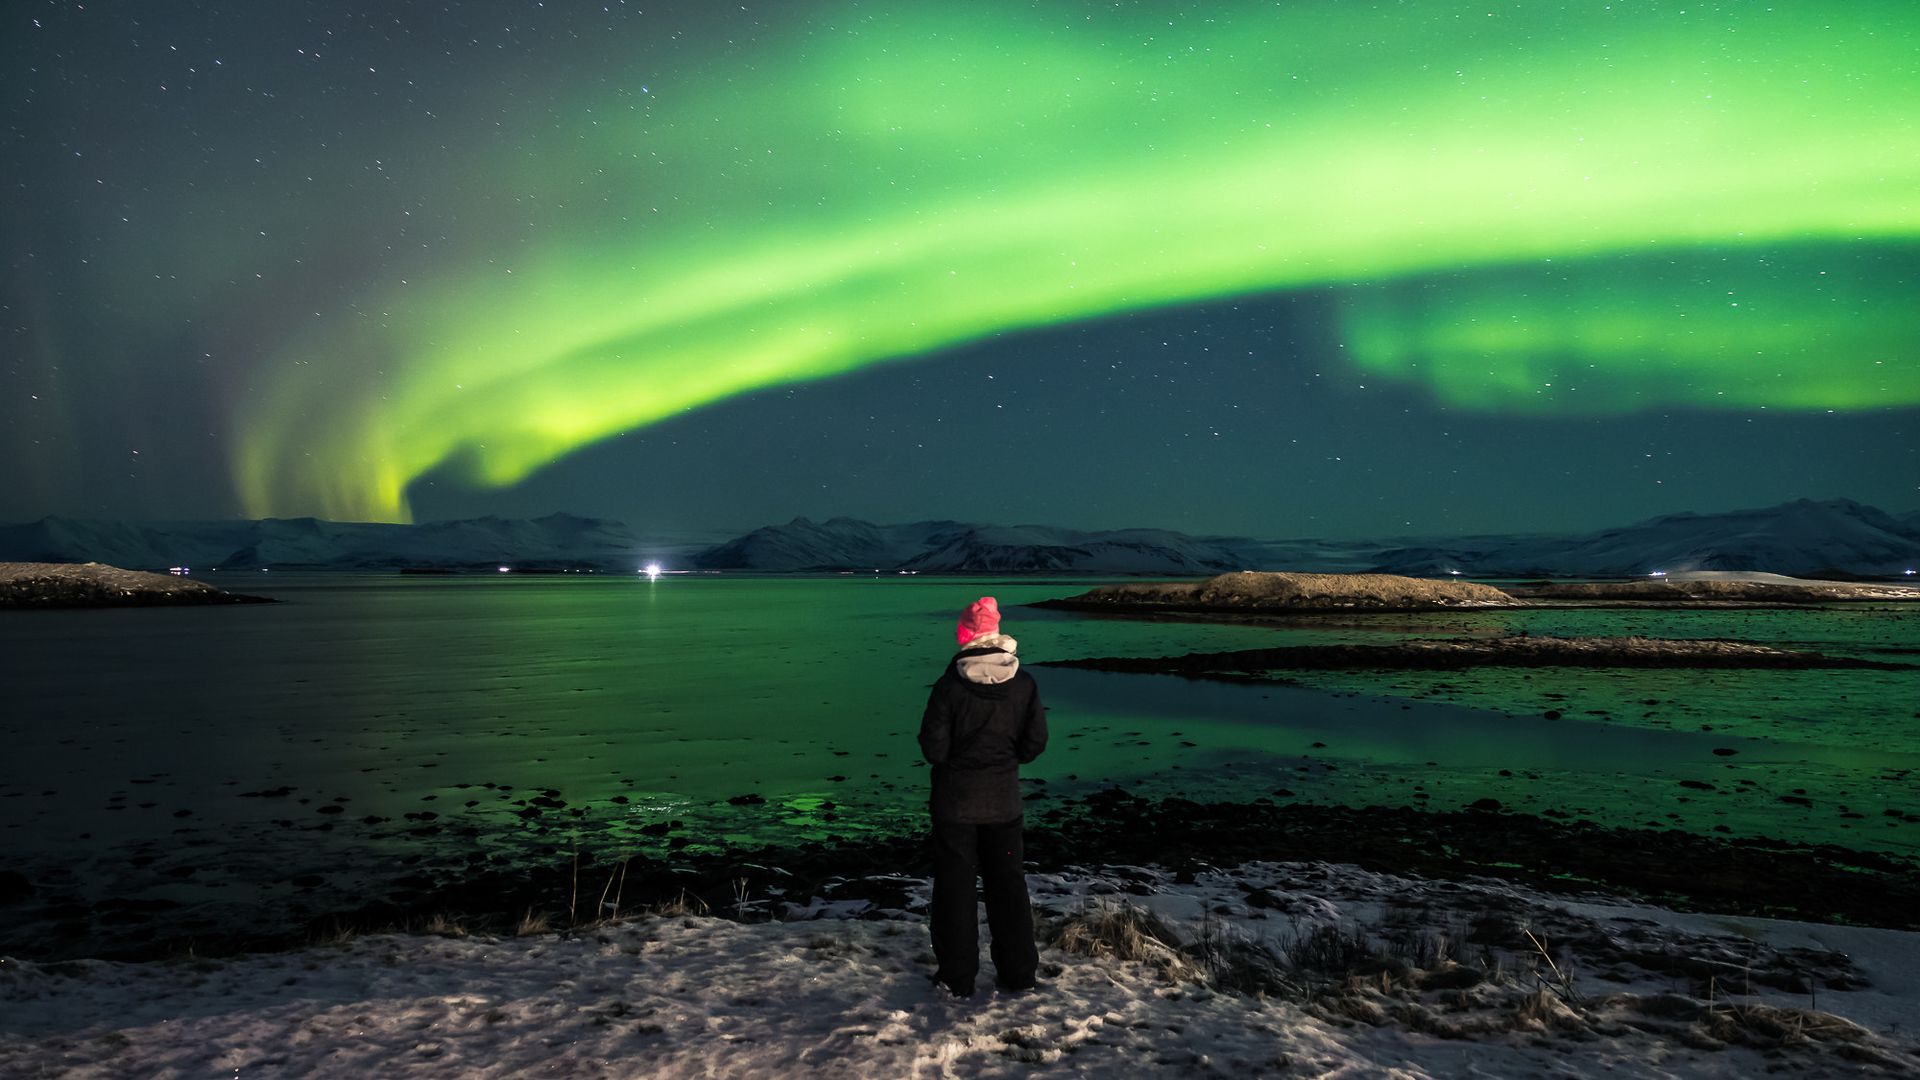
point(1819, 883)
point(1831, 538)
point(1827, 538)
point(92, 585)
point(1694, 591)
point(554, 542)
point(1249, 592)
point(1263, 591)
point(945, 547)
point(1456, 653)
point(1808, 538)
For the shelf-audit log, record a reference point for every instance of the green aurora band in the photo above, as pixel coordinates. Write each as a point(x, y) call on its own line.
point(1575, 208)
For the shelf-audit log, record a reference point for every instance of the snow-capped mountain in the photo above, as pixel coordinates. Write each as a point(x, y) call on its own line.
point(558, 540)
point(1803, 538)
point(1806, 538)
point(1038, 548)
point(836, 544)
point(1800, 538)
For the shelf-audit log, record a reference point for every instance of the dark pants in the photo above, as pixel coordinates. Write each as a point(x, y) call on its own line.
point(996, 854)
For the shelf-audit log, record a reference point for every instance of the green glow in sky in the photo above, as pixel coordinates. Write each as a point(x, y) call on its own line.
point(1503, 196)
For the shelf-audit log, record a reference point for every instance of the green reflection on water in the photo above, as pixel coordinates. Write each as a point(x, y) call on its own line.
point(403, 695)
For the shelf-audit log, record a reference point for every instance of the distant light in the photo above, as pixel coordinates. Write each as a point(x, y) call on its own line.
point(505, 569)
point(180, 570)
point(1910, 573)
point(1658, 573)
point(653, 571)
point(1455, 573)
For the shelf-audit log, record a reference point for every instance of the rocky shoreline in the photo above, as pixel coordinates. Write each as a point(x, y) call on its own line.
point(1457, 653)
point(97, 585)
point(1817, 883)
point(1251, 591)
point(1261, 968)
point(1695, 592)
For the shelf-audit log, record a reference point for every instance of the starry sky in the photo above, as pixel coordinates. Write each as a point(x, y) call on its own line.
point(1280, 268)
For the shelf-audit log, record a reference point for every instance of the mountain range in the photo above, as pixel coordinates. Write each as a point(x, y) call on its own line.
point(558, 541)
point(1834, 537)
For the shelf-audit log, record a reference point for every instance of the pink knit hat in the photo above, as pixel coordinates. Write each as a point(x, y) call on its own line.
point(981, 617)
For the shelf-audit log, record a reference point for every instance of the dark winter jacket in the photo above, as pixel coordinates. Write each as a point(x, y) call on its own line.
point(983, 721)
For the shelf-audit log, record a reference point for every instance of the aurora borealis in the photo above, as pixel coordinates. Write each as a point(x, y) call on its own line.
point(388, 245)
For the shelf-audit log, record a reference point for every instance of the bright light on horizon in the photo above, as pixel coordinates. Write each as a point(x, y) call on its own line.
point(653, 571)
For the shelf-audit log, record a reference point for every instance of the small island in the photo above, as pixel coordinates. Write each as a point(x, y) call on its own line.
point(94, 585)
point(1458, 653)
point(1715, 586)
point(1268, 591)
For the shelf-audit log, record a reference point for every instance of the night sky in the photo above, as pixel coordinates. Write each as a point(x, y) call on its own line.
point(1285, 269)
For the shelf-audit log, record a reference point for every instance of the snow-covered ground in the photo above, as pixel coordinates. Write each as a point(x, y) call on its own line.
point(1365, 975)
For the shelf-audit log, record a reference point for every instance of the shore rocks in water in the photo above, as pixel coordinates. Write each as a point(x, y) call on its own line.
point(1108, 828)
point(1734, 588)
point(1456, 653)
point(70, 585)
point(1256, 591)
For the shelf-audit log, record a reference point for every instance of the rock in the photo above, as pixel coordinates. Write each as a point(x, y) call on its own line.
point(14, 887)
point(66, 585)
point(1450, 977)
point(749, 799)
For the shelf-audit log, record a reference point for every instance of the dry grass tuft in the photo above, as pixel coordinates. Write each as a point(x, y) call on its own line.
point(1768, 1026)
point(337, 934)
point(679, 906)
point(1126, 932)
point(444, 926)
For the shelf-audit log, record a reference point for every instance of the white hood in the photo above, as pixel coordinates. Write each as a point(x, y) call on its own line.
point(989, 668)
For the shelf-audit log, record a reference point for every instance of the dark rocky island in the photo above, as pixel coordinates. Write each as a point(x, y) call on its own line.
point(1715, 587)
point(89, 585)
point(1456, 653)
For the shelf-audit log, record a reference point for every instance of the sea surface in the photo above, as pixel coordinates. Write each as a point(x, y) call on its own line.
point(215, 766)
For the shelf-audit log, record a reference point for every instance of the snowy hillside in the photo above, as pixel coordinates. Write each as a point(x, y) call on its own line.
point(1805, 538)
point(1034, 547)
point(1799, 538)
point(836, 544)
point(555, 540)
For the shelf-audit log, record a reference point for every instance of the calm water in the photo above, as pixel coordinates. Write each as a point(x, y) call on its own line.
point(296, 754)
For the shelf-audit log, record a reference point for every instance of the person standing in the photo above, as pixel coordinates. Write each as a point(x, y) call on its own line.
point(983, 721)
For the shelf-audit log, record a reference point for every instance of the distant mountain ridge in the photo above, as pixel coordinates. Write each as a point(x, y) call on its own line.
point(1835, 537)
point(559, 541)
point(1801, 538)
